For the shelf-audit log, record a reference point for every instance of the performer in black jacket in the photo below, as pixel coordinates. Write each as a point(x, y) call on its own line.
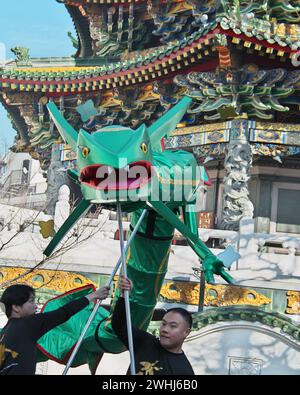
point(18, 338)
point(163, 356)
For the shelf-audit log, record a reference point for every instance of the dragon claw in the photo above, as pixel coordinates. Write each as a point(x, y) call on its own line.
point(212, 265)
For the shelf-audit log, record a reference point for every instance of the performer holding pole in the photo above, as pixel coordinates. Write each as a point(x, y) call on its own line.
point(24, 327)
point(126, 294)
point(108, 284)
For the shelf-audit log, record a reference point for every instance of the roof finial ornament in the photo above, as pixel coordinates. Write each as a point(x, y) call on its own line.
point(22, 56)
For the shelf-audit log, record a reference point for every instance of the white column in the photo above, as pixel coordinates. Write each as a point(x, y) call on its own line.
point(62, 207)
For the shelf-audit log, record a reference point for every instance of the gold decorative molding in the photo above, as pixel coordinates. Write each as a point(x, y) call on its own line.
point(54, 280)
point(261, 127)
point(215, 295)
point(293, 302)
point(214, 127)
point(277, 127)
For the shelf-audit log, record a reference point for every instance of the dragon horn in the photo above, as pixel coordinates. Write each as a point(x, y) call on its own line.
point(167, 123)
point(65, 129)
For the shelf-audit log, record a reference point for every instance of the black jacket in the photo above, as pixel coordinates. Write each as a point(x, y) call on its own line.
point(18, 338)
point(150, 357)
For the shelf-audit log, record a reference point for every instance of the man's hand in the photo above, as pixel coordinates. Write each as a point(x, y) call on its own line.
point(101, 293)
point(125, 285)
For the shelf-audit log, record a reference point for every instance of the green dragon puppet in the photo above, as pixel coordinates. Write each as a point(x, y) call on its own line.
point(129, 167)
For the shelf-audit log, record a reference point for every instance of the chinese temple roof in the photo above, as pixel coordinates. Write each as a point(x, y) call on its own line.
point(135, 59)
point(161, 22)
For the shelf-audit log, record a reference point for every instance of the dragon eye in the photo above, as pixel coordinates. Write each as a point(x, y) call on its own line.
point(144, 148)
point(85, 151)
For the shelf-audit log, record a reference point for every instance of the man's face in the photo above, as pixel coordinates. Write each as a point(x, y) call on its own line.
point(28, 308)
point(173, 330)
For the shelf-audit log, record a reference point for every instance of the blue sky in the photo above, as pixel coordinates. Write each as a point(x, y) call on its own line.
point(41, 26)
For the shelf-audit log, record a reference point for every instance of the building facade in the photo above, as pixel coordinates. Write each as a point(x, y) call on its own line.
point(22, 181)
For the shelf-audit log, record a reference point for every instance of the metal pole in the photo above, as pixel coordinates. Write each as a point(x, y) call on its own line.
point(201, 291)
point(108, 284)
point(78, 344)
point(199, 273)
point(126, 294)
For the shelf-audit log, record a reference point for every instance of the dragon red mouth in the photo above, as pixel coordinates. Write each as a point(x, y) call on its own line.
point(103, 177)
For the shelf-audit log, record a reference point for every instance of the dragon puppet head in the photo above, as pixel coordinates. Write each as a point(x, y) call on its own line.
point(115, 161)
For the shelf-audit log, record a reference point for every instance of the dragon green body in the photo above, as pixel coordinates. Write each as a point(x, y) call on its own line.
point(121, 165)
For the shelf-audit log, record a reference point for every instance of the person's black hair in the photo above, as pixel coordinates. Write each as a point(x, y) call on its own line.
point(17, 294)
point(186, 315)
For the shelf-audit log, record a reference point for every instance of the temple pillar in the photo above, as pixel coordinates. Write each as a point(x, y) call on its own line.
point(238, 161)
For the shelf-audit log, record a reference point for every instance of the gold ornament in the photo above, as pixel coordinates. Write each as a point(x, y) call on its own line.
point(215, 295)
point(293, 302)
point(55, 280)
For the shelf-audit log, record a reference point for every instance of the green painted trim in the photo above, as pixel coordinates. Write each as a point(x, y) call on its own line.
point(232, 314)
